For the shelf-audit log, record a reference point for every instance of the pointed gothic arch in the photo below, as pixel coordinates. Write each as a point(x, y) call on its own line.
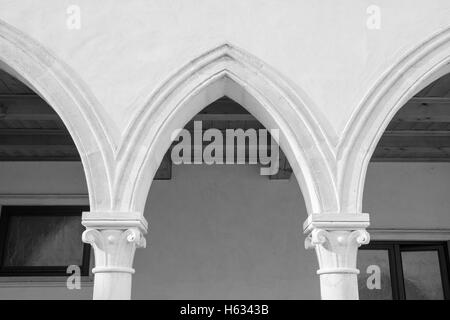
point(227, 71)
point(421, 66)
point(59, 86)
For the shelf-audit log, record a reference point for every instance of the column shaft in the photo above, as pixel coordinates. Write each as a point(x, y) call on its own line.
point(112, 286)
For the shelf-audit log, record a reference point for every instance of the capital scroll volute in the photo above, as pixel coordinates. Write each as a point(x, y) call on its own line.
point(316, 237)
point(93, 237)
point(135, 236)
point(360, 236)
point(336, 237)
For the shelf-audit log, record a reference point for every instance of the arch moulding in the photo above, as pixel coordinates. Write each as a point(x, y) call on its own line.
point(63, 91)
point(228, 71)
point(425, 63)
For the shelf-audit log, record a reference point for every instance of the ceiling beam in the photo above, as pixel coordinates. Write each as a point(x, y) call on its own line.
point(224, 117)
point(424, 110)
point(415, 133)
point(27, 110)
point(36, 140)
point(435, 100)
point(376, 158)
point(428, 141)
point(33, 132)
point(12, 96)
point(29, 148)
point(284, 169)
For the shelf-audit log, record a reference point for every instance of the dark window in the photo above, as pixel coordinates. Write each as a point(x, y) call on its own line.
point(42, 240)
point(404, 270)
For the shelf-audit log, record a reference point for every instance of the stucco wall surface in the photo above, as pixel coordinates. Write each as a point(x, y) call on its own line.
point(126, 49)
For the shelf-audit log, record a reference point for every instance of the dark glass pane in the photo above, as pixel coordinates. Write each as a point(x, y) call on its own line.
point(422, 275)
point(374, 280)
point(43, 241)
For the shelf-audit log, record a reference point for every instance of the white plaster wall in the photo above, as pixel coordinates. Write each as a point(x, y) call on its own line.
point(42, 178)
point(128, 48)
point(408, 195)
point(226, 232)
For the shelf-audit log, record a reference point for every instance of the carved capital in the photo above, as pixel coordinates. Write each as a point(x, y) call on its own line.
point(114, 248)
point(336, 249)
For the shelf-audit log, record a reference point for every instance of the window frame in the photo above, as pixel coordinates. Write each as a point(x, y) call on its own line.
point(8, 211)
point(395, 248)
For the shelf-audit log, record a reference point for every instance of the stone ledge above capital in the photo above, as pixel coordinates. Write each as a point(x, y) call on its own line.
point(336, 221)
point(114, 220)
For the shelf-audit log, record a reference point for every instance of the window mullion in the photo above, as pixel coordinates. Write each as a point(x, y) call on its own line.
point(398, 266)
